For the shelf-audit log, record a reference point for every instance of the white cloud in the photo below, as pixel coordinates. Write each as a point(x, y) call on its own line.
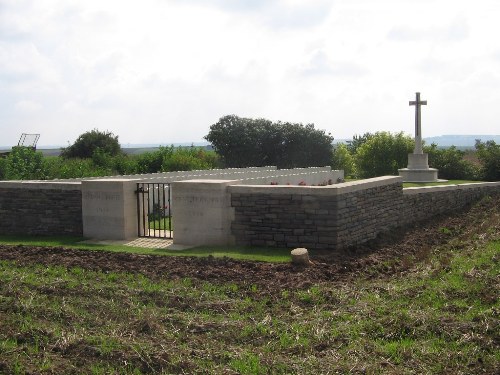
point(28, 106)
point(320, 64)
point(275, 14)
point(456, 31)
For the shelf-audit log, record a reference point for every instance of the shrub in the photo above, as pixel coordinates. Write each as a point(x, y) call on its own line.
point(489, 155)
point(87, 143)
point(343, 159)
point(187, 159)
point(245, 142)
point(383, 154)
point(3, 162)
point(23, 163)
point(151, 162)
point(451, 163)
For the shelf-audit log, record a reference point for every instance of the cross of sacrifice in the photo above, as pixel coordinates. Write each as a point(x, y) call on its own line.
point(418, 126)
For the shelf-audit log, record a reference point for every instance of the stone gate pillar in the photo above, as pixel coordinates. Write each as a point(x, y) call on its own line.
point(203, 212)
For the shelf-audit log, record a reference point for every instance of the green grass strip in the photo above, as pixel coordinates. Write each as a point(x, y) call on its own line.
point(439, 183)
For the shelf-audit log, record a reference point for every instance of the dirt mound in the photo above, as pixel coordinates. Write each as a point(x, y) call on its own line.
point(391, 253)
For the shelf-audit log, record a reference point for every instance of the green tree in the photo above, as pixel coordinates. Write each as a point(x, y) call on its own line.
point(357, 141)
point(90, 142)
point(151, 162)
point(383, 154)
point(489, 154)
point(187, 159)
point(3, 162)
point(244, 142)
point(450, 163)
point(23, 163)
point(343, 159)
point(239, 141)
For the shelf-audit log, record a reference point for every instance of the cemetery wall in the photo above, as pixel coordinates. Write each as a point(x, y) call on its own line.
point(323, 217)
point(425, 202)
point(40, 208)
point(342, 215)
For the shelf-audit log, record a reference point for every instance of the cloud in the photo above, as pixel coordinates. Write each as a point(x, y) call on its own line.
point(28, 106)
point(320, 65)
point(456, 31)
point(275, 14)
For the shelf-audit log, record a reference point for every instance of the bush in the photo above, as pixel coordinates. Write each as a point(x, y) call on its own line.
point(245, 142)
point(3, 162)
point(88, 143)
point(151, 162)
point(489, 155)
point(451, 164)
point(382, 154)
point(188, 159)
point(23, 163)
point(57, 167)
point(342, 159)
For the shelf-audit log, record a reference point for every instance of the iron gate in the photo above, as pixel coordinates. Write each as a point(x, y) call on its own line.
point(154, 217)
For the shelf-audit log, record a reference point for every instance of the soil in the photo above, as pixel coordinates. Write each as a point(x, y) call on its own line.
point(392, 253)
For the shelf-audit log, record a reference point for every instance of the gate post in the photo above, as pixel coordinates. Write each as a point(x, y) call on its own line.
point(202, 212)
point(109, 209)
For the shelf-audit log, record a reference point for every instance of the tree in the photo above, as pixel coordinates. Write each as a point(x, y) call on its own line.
point(383, 154)
point(357, 141)
point(489, 154)
point(240, 141)
point(23, 163)
point(244, 142)
point(90, 142)
point(342, 159)
point(450, 163)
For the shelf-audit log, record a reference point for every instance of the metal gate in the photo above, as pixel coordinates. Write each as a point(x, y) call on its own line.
point(154, 217)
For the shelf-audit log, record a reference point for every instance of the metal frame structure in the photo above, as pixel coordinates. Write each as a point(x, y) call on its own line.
point(28, 140)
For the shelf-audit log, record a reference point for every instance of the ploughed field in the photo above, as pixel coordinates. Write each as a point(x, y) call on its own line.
point(421, 300)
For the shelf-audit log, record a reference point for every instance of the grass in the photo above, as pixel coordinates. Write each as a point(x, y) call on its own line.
point(442, 317)
point(439, 183)
point(264, 254)
point(161, 224)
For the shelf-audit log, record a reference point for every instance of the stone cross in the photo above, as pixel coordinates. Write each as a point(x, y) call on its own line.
point(418, 126)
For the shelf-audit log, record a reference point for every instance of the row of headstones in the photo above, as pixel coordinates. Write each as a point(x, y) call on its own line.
point(249, 176)
point(313, 175)
point(303, 177)
point(176, 176)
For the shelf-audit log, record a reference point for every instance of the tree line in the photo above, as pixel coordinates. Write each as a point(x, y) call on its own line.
point(97, 153)
point(383, 153)
point(246, 142)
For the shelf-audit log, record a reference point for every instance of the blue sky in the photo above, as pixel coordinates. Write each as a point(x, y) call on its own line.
point(163, 71)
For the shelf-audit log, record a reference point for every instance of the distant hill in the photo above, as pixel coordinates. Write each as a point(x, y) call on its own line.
point(460, 140)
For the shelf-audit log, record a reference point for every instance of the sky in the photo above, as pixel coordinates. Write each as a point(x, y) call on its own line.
point(163, 71)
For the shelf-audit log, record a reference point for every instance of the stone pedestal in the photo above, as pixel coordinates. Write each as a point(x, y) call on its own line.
point(418, 169)
point(418, 161)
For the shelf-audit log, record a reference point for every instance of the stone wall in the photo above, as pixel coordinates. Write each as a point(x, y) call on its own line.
point(323, 217)
point(424, 202)
point(341, 215)
point(40, 208)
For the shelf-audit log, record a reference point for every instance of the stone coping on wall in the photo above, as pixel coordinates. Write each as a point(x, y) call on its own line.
point(442, 188)
point(337, 189)
point(47, 185)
